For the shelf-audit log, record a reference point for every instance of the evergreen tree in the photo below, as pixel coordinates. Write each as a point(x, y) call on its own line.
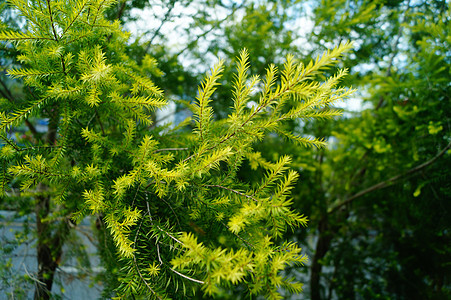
point(168, 200)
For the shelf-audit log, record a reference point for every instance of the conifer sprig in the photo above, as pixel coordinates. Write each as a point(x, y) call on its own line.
point(203, 112)
point(242, 88)
point(19, 36)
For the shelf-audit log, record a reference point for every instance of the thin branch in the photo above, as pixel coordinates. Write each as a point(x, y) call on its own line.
point(9, 142)
point(98, 120)
point(173, 211)
point(184, 276)
point(242, 239)
point(144, 280)
point(120, 12)
point(38, 147)
point(158, 250)
point(136, 263)
point(74, 19)
point(170, 149)
point(387, 182)
point(36, 280)
point(188, 158)
point(231, 190)
point(156, 242)
point(136, 194)
point(151, 220)
point(51, 21)
point(165, 19)
point(158, 253)
point(213, 27)
point(63, 65)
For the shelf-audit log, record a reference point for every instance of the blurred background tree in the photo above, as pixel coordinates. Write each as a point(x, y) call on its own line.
point(378, 197)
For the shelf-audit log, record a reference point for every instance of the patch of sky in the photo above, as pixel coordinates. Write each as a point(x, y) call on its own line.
point(171, 25)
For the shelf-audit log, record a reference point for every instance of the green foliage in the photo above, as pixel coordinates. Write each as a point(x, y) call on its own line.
point(171, 202)
point(380, 192)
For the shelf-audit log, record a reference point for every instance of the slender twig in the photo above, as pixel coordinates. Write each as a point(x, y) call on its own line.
point(242, 239)
point(136, 263)
point(165, 19)
point(9, 142)
point(51, 21)
point(158, 253)
point(98, 120)
point(136, 194)
point(231, 190)
point(184, 276)
point(40, 6)
point(159, 258)
point(173, 211)
point(170, 149)
point(63, 64)
point(144, 280)
point(156, 242)
point(37, 281)
point(268, 181)
point(387, 182)
point(213, 27)
point(167, 233)
point(74, 19)
point(120, 12)
point(97, 14)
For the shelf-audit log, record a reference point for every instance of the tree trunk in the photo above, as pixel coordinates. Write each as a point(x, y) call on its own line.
point(49, 248)
point(322, 246)
point(46, 263)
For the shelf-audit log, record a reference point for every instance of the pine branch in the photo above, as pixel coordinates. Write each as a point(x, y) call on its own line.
point(9, 142)
point(278, 169)
point(144, 84)
point(305, 141)
point(325, 60)
point(241, 89)
point(203, 113)
point(21, 114)
point(30, 14)
point(18, 73)
point(19, 36)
